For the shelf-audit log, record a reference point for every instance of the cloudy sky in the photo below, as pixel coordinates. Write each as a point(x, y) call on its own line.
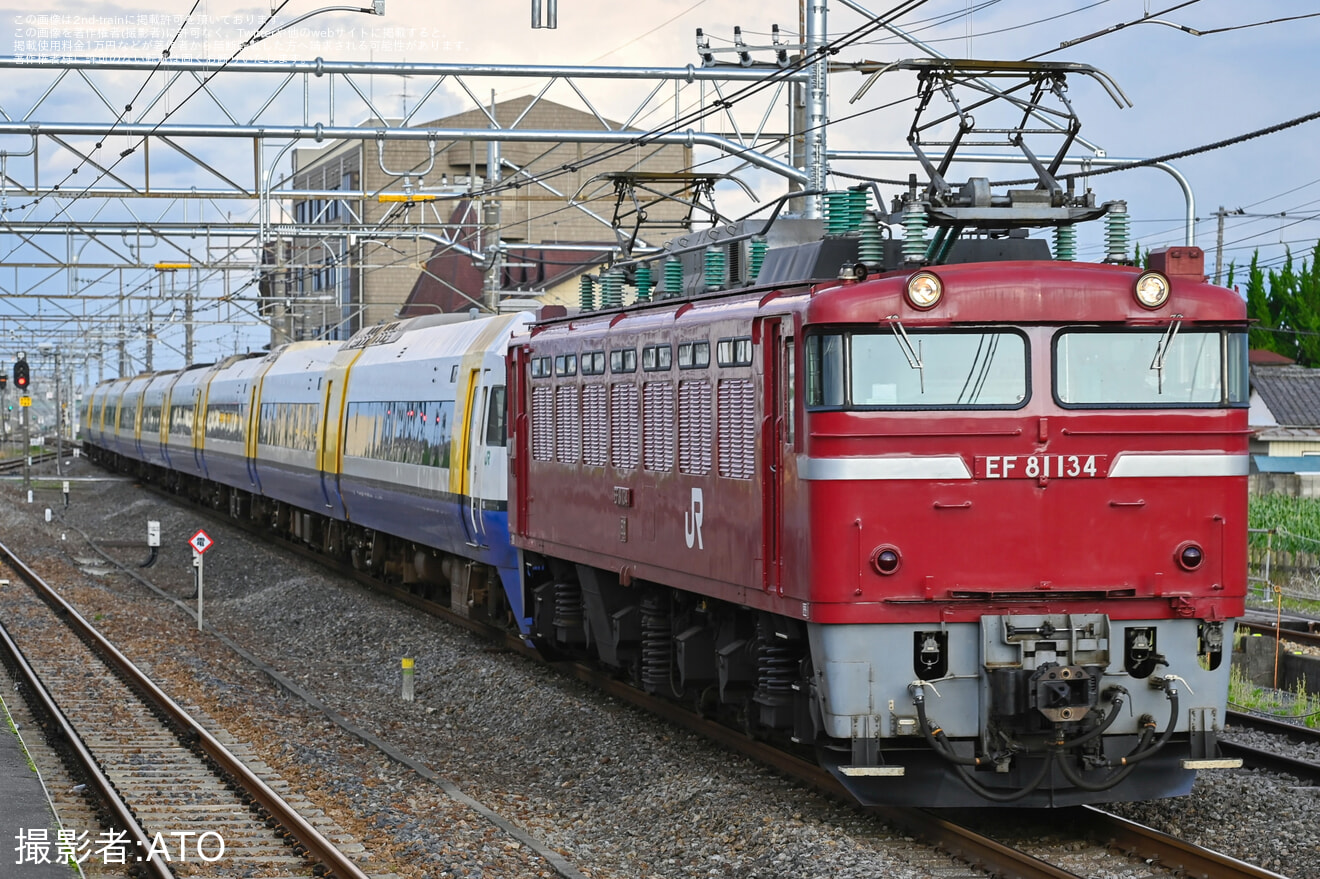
point(1196, 73)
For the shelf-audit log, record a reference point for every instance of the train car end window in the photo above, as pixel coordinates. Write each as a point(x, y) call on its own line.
point(453, 373)
point(496, 415)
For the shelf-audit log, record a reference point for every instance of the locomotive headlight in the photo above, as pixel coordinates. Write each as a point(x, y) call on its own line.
point(1189, 556)
point(1152, 289)
point(924, 290)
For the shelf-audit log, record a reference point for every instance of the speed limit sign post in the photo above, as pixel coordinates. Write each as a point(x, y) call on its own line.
point(200, 543)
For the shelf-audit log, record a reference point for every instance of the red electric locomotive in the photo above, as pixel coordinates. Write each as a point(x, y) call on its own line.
point(973, 528)
point(975, 531)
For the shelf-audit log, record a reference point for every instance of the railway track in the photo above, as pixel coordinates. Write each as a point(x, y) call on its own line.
point(163, 778)
point(954, 833)
point(12, 465)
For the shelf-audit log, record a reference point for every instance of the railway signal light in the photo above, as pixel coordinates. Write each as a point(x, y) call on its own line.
point(4, 381)
point(21, 373)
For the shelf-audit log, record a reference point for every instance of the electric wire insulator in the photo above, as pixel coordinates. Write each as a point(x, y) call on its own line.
point(914, 233)
point(1118, 236)
point(870, 249)
point(716, 267)
point(587, 293)
point(1065, 243)
point(673, 276)
point(611, 289)
point(859, 202)
point(756, 256)
point(837, 208)
point(644, 282)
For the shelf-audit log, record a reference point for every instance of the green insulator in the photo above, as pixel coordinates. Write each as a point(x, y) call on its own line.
point(870, 247)
point(587, 293)
point(1065, 243)
point(837, 207)
point(673, 277)
point(644, 282)
point(1118, 238)
point(914, 233)
point(611, 289)
point(756, 256)
point(716, 267)
point(859, 202)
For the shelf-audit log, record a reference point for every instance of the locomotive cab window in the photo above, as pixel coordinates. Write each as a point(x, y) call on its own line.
point(891, 368)
point(1158, 367)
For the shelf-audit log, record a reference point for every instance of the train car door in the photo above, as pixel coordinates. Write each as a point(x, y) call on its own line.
point(473, 464)
point(772, 435)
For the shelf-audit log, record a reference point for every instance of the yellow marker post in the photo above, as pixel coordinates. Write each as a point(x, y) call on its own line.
point(407, 680)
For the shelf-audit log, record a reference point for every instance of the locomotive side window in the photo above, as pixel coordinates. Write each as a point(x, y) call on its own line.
point(623, 360)
point(566, 364)
point(694, 355)
point(656, 357)
point(1160, 367)
point(593, 362)
point(734, 352)
point(895, 369)
point(825, 370)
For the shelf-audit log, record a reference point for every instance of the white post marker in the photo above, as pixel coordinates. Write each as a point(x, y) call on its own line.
point(200, 543)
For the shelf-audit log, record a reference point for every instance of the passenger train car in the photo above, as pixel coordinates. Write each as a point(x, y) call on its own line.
point(974, 533)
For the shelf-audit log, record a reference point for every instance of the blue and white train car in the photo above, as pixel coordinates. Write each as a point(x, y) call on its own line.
point(290, 428)
point(151, 434)
point(424, 439)
point(225, 425)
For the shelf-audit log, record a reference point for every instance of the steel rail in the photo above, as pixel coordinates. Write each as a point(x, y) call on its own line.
point(317, 847)
point(1185, 858)
point(66, 735)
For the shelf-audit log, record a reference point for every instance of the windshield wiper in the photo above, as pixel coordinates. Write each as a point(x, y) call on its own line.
point(905, 345)
point(1162, 351)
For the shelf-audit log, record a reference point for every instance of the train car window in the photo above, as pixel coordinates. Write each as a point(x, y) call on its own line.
point(566, 364)
point(825, 370)
point(623, 360)
point(497, 418)
point(694, 355)
point(657, 357)
point(593, 362)
point(1159, 367)
point(453, 374)
point(734, 352)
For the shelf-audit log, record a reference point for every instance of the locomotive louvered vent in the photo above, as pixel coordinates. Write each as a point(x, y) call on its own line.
point(568, 430)
point(543, 423)
point(737, 429)
point(595, 426)
point(658, 426)
point(623, 426)
point(694, 427)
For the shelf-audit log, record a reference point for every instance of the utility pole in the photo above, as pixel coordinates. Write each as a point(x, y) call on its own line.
point(59, 416)
point(814, 146)
point(1219, 244)
point(490, 219)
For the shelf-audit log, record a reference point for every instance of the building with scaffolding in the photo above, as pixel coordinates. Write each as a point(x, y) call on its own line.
point(448, 226)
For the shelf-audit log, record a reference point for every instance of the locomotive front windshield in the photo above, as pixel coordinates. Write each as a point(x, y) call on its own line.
point(894, 368)
point(1159, 368)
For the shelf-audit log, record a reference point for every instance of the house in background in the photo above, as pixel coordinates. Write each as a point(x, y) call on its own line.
point(1285, 424)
